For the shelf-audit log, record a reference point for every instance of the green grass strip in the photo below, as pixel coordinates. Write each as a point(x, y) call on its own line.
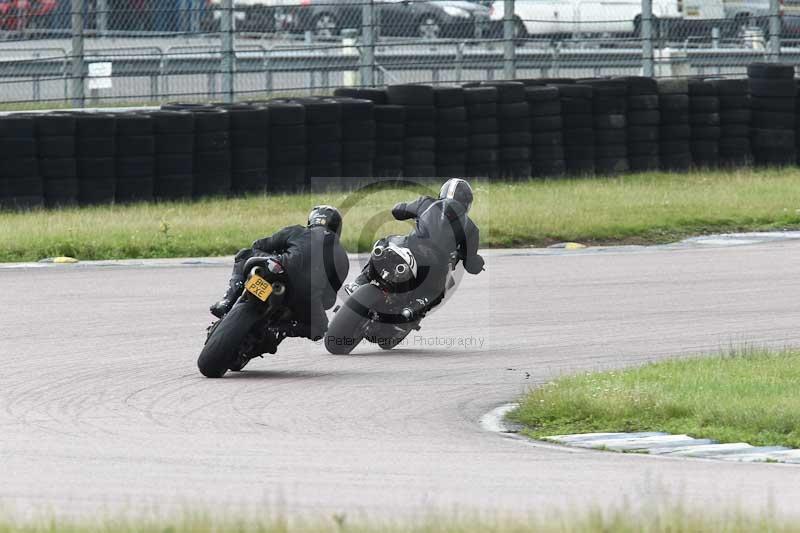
point(670, 518)
point(640, 209)
point(748, 395)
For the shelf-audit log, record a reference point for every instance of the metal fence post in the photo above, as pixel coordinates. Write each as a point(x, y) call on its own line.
point(228, 53)
point(77, 55)
point(774, 30)
point(102, 17)
point(646, 33)
point(194, 15)
point(509, 50)
point(368, 44)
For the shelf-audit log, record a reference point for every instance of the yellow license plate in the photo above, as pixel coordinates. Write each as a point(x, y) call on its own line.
point(693, 11)
point(259, 287)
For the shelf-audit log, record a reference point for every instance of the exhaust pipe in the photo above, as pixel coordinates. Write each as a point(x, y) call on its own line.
point(278, 288)
point(259, 271)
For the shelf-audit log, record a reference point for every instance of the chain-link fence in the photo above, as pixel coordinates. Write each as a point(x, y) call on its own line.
point(121, 52)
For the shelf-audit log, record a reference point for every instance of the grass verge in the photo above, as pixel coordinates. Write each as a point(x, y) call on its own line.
point(675, 519)
point(748, 395)
point(641, 209)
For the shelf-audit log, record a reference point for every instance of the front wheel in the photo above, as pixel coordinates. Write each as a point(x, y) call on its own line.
point(226, 339)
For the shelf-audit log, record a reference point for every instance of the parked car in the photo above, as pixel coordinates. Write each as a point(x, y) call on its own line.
point(743, 14)
point(572, 17)
point(23, 14)
point(326, 18)
point(429, 19)
point(253, 15)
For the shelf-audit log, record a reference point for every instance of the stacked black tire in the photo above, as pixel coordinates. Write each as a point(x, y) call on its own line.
point(249, 141)
point(358, 141)
point(288, 150)
point(546, 127)
point(55, 133)
point(20, 183)
point(644, 122)
point(773, 94)
point(96, 151)
point(136, 157)
point(324, 142)
point(704, 120)
point(797, 122)
point(212, 152)
point(390, 133)
point(419, 145)
point(609, 114)
point(452, 132)
point(389, 130)
point(578, 132)
point(734, 122)
point(484, 137)
point(515, 130)
point(675, 151)
point(375, 95)
point(175, 135)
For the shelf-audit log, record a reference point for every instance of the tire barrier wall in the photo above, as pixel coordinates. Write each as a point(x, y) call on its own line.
point(521, 129)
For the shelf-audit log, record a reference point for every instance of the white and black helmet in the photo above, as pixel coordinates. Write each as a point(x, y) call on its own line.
point(328, 216)
point(458, 190)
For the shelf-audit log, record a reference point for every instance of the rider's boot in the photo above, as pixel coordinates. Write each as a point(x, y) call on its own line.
point(235, 287)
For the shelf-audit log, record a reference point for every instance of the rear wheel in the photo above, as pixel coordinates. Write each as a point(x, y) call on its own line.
point(225, 341)
point(239, 363)
point(346, 330)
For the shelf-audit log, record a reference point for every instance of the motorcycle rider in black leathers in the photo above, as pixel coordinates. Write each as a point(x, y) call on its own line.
point(316, 265)
point(443, 228)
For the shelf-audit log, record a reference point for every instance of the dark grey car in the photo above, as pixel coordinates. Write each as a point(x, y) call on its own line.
point(428, 19)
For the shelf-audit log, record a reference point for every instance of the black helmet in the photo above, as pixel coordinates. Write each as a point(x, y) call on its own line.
point(458, 190)
point(328, 216)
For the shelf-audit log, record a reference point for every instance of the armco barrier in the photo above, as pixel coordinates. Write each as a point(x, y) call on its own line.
point(528, 128)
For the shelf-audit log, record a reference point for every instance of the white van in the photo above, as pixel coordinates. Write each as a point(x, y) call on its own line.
point(573, 17)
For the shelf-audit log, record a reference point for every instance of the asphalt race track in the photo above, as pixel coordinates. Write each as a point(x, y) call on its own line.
point(102, 408)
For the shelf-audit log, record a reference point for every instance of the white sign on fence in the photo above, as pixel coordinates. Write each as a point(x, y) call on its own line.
point(100, 75)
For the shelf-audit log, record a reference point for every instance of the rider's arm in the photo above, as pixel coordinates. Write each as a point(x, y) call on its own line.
point(473, 262)
point(328, 299)
point(336, 277)
point(275, 243)
point(405, 211)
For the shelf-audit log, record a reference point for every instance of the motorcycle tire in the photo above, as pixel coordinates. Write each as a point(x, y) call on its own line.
point(222, 346)
point(346, 330)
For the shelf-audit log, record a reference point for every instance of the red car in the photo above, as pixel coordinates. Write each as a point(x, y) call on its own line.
point(17, 15)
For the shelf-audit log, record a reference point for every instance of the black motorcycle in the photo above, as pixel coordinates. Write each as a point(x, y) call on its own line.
point(250, 328)
point(384, 311)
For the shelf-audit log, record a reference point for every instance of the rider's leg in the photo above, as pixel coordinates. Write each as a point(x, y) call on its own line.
point(235, 285)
